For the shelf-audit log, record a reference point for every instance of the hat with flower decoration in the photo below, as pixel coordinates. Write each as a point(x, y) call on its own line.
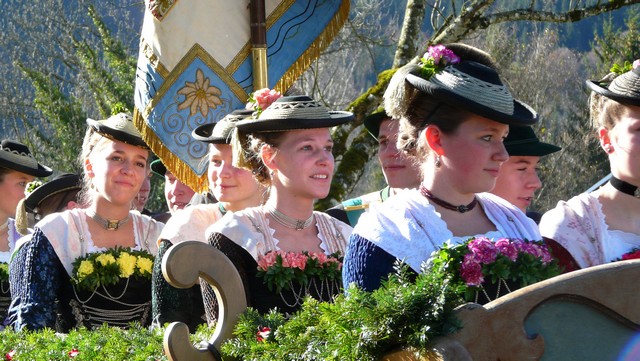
point(220, 132)
point(15, 155)
point(58, 184)
point(624, 88)
point(461, 76)
point(294, 112)
point(118, 127)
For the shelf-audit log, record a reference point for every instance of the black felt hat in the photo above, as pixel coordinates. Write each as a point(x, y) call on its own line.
point(373, 121)
point(118, 127)
point(624, 88)
point(158, 167)
point(522, 141)
point(58, 184)
point(294, 112)
point(220, 132)
point(476, 88)
point(15, 155)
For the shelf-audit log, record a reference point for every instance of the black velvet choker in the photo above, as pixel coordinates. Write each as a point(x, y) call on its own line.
point(624, 187)
point(444, 204)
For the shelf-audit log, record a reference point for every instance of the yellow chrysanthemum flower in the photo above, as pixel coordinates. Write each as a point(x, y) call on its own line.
point(145, 265)
point(105, 259)
point(85, 269)
point(127, 264)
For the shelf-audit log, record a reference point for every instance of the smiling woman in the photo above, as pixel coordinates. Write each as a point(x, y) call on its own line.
point(289, 149)
point(115, 163)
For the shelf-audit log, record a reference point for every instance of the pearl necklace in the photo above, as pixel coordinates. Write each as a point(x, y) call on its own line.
point(289, 222)
point(5, 225)
point(108, 224)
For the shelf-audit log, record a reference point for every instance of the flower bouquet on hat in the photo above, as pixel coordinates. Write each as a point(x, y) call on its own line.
point(112, 286)
point(483, 270)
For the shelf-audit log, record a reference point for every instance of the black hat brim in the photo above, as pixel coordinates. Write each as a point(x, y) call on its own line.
point(64, 183)
point(284, 124)
point(372, 123)
point(522, 113)
point(158, 167)
point(117, 135)
point(602, 89)
point(531, 149)
point(15, 162)
point(204, 133)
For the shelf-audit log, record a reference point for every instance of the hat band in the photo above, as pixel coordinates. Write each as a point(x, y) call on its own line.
point(303, 110)
point(492, 96)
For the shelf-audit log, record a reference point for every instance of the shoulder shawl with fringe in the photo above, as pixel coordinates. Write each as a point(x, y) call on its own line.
point(250, 229)
point(190, 223)
point(409, 228)
point(66, 231)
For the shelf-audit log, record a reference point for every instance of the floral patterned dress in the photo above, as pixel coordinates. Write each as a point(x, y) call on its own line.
point(40, 276)
point(579, 226)
point(245, 237)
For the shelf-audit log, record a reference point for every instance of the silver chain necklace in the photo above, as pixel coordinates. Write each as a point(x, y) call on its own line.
point(108, 224)
point(289, 222)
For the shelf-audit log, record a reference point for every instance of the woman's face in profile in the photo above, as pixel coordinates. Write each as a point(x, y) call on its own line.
point(624, 140)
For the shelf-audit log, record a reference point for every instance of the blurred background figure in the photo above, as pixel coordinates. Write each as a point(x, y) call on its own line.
point(142, 197)
point(518, 179)
point(176, 193)
point(399, 171)
point(57, 195)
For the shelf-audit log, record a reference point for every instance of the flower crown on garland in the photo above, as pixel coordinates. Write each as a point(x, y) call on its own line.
point(108, 267)
point(260, 100)
point(436, 59)
point(4, 272)
point(279, 269)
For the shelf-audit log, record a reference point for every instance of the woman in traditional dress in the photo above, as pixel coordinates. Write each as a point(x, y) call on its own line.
point(114, 159)
point(234, 188)
point(454, 113)
point(289, 149)
point(602, 226)
point(17, 169)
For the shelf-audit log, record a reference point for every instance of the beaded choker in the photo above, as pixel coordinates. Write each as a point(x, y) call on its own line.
point(444, 204)
point(624, 187)
point(108, 224)
point(289, 222)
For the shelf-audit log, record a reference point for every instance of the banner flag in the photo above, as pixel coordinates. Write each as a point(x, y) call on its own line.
point(195, 66)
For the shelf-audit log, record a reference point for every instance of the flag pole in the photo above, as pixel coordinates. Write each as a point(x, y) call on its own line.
point(259, 44)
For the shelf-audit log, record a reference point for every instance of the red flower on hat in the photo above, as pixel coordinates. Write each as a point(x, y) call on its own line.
point(263, 333)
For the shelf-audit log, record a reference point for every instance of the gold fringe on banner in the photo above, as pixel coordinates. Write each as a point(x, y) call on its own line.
point(182, 171)
point(313, 52)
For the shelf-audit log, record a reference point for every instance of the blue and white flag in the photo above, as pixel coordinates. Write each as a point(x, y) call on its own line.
point(195, 67)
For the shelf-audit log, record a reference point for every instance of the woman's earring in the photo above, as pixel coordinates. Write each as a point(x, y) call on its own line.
point(608, 148)
point(438, 161)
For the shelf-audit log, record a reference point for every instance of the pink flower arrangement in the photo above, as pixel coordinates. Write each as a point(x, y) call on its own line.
point(484, 252)
point(480, 260)
point(261, 99)
point(440, 53)
point(280, 268)
point(435, 59)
